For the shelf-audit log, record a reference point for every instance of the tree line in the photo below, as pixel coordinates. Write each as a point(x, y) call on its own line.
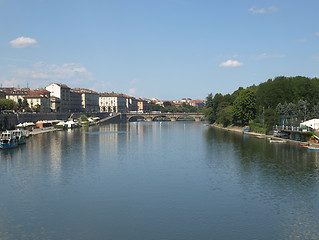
point(262, 105)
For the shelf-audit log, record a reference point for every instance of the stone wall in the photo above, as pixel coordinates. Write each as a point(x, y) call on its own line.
point(11, 120)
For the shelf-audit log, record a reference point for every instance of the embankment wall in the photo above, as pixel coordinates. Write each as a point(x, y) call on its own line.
point(12, 119)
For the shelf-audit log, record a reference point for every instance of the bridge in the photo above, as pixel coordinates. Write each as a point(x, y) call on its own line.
point(172, 116)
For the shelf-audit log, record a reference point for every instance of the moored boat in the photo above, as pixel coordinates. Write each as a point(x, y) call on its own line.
point(276, 140)
point(8, 140)
point(313, 148)
point(20, 136)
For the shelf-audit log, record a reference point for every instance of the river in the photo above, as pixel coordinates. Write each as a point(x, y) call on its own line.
point(157, 180)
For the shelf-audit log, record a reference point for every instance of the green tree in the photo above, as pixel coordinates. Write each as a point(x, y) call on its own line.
point(225, 116)
point(270, 118)
point(25, 104)
point(7, 104)
point(244, 108)
point(208, 109)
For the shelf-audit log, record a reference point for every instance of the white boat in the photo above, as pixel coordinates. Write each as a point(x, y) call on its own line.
point(275, 140)
point(8, 140)
point(70, 124)
point(20, 136)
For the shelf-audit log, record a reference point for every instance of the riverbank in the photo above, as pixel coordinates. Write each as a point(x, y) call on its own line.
point(37, 131)
point(258, 135)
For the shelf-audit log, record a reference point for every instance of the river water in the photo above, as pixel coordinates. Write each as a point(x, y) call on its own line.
point(157, 180)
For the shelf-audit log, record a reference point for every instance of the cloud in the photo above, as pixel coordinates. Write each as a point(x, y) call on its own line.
point(269, 56)
point(317, 34)
point(23, 42)
point(231, 63)
point(132, 91)
point(254, 10)
point(42, 74)
point(135, 81)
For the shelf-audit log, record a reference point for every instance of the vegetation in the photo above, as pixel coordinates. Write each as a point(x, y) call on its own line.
point(7, 104)
point(172, 108)
point(262, 106)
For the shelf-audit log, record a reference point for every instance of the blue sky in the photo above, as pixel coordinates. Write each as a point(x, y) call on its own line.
point(168, 49)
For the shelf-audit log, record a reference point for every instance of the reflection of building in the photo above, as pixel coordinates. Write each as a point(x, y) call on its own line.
point(62, 92)
point(40, 97)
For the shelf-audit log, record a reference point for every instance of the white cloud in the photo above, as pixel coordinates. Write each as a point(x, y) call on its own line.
point(254, 10)
point(317, 34)
point(42, 74)
point(269, 56)
point(135, 81)
point(132, 91)
point(23, 42)
point(231, 63)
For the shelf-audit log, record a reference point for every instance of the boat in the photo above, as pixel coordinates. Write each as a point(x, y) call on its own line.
point(275, 140)
point(20, 136)
point(304, 144)
point(8, 140)
point(313, 148)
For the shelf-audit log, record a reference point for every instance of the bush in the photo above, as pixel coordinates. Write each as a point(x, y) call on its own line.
point(257, 127)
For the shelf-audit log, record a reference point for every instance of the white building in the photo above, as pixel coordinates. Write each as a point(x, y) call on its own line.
point(62, 92)
point(313, 123)
point(40, 97)
point(112, 102)
point(15, 93)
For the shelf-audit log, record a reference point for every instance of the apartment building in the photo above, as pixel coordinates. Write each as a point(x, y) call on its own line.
point(61, 94)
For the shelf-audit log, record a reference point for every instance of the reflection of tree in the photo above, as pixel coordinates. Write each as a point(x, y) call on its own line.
point(283, 176)
point(269, 161)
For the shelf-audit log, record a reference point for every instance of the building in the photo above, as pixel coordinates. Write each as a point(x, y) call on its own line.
point(197, 103)
point(2, 94)
point(75, 101)
point(89, 99)
point(142, 105)
point(131, 103)
point(15, 93)
point(39, 97)
point(186, 100)
point(112, 102)
point(62, 92)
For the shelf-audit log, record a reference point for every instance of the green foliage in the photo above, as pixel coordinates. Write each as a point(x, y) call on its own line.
point(37, 108)
point(225, 116)
point(83, 118)
point(25, 104)
point(244, 108)
point(270, 118)
point(257, 127)
point(283, 96)
point(208, 109)
point(7, 104)
point(307, 134)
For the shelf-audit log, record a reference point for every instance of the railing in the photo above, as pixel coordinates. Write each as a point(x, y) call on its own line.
point(292, 128)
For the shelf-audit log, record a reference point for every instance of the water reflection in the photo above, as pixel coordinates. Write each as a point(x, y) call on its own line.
point(153, 180)
point(284, 176)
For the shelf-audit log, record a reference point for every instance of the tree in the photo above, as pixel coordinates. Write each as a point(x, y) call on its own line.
point(244, 108)
point(225, 116)
point(270, 118)
point(25, 104)
point(208, 109)
point(7, 104)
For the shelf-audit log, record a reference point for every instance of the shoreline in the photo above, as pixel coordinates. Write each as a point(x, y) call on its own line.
point(257, 135)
